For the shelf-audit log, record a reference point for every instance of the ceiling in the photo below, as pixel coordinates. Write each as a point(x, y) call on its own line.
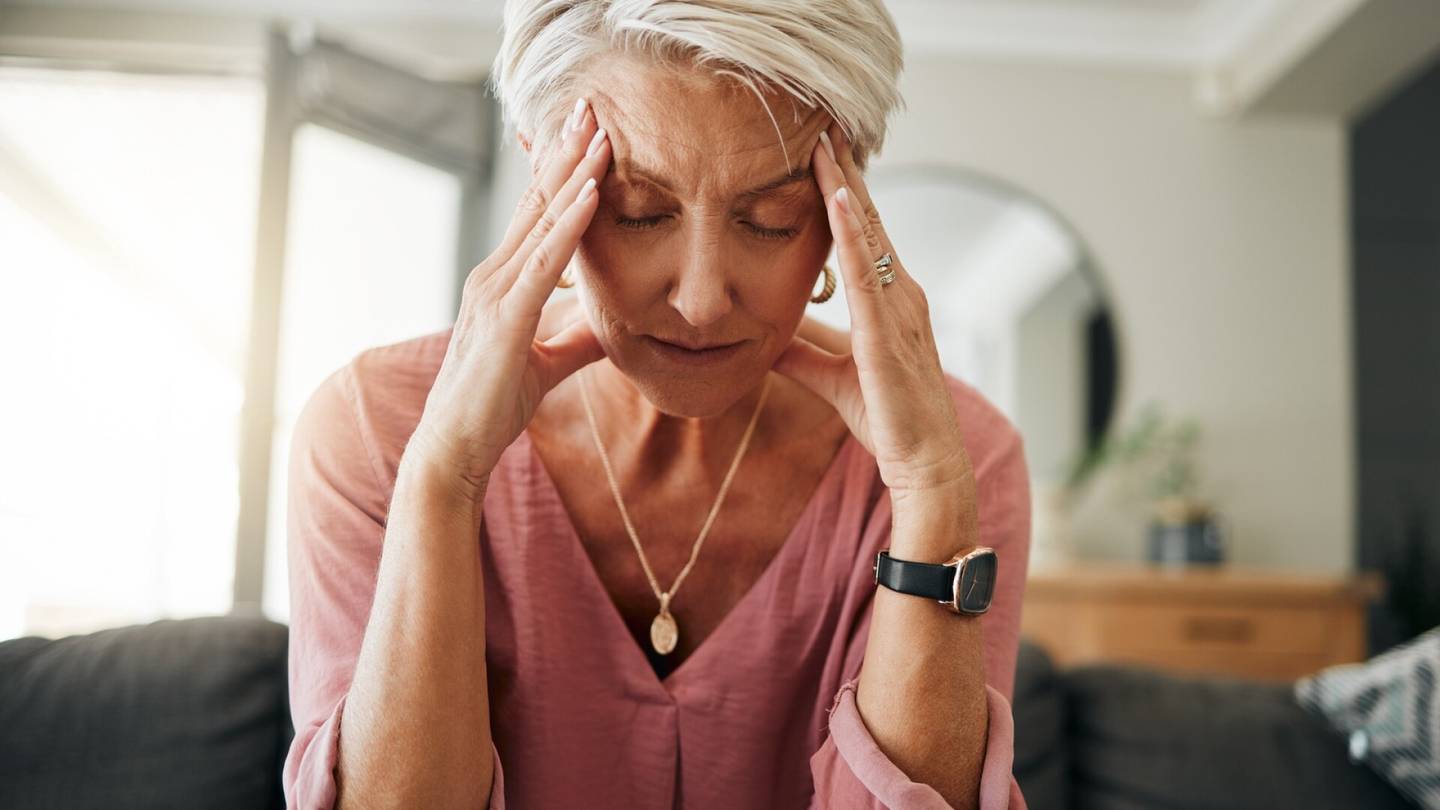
point(1160, 33)
point(1238, 52)
point(1151, 32)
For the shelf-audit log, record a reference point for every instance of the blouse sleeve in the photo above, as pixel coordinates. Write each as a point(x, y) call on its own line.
point(849, 769)
point(335, 525)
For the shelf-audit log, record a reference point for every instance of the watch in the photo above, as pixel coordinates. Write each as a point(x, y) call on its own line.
point(964, 584)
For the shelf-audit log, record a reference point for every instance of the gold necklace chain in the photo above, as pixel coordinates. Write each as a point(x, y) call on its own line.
point(664, 631)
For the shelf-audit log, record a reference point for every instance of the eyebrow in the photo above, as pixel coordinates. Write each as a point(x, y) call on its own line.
point(793, 176)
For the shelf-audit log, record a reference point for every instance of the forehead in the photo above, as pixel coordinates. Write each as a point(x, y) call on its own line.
point(705, 136)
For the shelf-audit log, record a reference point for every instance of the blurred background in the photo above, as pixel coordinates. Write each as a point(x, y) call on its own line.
point(1191, 247)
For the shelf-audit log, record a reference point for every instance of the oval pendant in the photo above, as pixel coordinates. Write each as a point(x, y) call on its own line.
point(664, 633)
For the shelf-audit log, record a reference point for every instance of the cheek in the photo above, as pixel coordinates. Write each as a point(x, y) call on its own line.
point(616, 262)
point(614, 273)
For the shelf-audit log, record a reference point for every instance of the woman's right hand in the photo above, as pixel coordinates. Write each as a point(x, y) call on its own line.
point(495, 372)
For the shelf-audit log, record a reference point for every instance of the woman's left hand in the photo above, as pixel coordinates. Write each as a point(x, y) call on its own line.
point(890, 389)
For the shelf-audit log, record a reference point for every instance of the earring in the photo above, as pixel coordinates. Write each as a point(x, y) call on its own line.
point(565, 283)
point(829, 287)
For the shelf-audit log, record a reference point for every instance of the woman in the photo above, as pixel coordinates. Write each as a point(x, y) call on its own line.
point(543, 627)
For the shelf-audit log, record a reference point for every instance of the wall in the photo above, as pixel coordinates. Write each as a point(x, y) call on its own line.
point(1223, 245)
point(1395, 164)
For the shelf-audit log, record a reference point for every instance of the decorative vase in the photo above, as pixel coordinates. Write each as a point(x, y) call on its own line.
point(1188, 544)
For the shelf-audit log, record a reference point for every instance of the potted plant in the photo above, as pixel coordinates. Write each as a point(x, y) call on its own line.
point(1159, 452)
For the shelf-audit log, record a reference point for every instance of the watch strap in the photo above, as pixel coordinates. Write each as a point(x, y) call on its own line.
point(933, 580)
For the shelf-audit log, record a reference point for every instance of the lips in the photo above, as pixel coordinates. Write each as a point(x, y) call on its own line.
point(693, 357)
point(696, 347)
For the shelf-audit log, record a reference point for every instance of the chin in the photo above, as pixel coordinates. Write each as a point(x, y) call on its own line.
point(693, 391)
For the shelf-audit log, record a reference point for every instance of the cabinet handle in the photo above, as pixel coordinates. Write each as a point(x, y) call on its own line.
point(1217, 628)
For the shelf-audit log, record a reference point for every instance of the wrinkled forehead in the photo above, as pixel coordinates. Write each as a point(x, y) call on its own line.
point(709, 137)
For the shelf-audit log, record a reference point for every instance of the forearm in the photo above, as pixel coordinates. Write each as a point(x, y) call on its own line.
point(922, 683)
point(416, 726)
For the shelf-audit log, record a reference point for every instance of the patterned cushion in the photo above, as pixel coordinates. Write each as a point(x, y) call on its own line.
point(1390, 710)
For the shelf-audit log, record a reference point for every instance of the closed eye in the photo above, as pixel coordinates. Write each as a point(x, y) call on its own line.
point(638, 224)
point(770, 233)
point(647, 223)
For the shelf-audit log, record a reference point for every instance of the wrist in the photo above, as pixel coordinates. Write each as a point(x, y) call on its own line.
point(439, 462)
point(437, 477)
point(932, 524)
point(945, 469)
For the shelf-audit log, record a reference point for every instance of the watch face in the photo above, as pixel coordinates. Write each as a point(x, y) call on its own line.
point(975, 582)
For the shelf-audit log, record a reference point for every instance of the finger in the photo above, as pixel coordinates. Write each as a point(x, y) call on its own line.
point(855, 179)
point(566, 353)
point(542, 267)
point(816, 369)
point(862, 284)
point(538, 197)
point(592, 166)
point(877, 237)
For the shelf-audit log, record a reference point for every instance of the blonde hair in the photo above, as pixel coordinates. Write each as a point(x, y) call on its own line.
point(840, 55)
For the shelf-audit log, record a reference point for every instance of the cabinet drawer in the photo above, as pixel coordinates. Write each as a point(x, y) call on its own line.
point(1238, 621)
point(1179, 628)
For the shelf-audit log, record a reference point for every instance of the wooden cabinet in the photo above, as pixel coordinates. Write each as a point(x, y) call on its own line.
point(1226, 620)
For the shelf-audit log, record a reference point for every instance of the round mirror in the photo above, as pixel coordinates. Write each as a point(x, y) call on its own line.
point(1017, 307)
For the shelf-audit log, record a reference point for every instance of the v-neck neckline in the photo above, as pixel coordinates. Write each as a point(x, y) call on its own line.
point(615, 620)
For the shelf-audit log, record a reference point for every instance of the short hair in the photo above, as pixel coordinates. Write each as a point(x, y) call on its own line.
point(840, 55)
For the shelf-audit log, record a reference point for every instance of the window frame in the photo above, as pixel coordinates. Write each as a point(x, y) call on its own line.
point(280, 54)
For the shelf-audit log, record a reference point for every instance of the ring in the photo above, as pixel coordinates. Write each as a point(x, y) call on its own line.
point(882, 266)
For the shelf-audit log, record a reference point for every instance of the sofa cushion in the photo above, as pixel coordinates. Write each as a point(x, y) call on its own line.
point(1389, 711)
point(1141, 739)
point(1041, 761)
point(189, 713)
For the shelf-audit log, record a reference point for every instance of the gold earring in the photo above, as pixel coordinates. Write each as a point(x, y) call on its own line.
point(564, 283)
point(829, 287)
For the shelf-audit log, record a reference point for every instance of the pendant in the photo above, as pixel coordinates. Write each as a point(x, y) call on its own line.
point(664, 632)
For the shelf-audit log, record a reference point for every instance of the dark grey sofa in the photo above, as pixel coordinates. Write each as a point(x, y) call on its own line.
point(188, 714)
point(193, 714)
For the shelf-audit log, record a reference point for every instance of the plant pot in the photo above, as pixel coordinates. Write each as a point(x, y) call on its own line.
point(1194, 542)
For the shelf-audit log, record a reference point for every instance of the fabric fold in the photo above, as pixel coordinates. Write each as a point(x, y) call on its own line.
point(850, 771)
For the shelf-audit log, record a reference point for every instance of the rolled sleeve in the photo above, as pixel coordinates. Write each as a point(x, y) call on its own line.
point(850, 771)
point(310, 773)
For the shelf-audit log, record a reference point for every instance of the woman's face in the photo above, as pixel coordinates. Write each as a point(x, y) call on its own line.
point(701, 236)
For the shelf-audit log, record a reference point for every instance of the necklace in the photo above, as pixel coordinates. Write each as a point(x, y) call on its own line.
point(664, 631)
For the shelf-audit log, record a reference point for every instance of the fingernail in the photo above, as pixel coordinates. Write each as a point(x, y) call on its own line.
point(578, 114)
point(829, 147)
point(842, 196)
point(585, 191)
point(595, 142)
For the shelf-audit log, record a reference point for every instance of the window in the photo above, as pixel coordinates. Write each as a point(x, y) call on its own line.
point(142, 388)
point(370, 261)
point(126, 235)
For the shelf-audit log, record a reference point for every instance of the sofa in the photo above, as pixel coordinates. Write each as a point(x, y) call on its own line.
point(193, 714)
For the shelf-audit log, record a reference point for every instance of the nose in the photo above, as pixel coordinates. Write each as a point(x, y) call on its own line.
point(701, 290)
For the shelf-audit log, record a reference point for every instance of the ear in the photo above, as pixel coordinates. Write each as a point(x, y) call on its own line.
point(524, 141)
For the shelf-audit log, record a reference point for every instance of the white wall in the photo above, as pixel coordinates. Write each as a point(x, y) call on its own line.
point(1224, 246)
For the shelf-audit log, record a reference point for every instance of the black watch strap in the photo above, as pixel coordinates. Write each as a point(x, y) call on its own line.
point(933, 580)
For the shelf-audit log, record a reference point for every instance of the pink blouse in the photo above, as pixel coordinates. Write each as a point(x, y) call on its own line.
point(761, 715)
